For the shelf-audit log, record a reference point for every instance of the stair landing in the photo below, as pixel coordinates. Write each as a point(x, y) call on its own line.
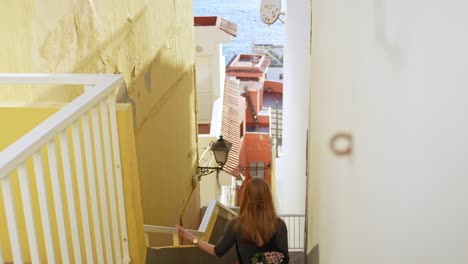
point(296, 257)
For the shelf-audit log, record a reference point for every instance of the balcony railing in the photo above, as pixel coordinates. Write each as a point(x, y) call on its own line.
point(74, 154)
point(295, 224)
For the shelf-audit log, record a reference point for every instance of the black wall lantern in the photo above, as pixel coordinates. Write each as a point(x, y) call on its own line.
point(220, 150)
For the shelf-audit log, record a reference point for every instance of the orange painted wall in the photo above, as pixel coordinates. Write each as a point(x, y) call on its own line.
point(276, 87)
point(258, 149)
point(264, 120)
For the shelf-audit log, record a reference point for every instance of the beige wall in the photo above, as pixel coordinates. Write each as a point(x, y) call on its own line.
point(151, 44)
point(313, 163)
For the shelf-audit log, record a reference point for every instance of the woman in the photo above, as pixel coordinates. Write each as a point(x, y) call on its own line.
point(257, 230)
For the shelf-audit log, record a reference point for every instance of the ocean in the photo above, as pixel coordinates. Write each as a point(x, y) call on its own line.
point(250, 27)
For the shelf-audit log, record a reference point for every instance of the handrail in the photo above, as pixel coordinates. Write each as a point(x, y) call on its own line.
point(168, 230)
point(50, 79)
point(18, 152)
point(210, 210)
point(203, 229)
point(229, 210)
point(83, 134)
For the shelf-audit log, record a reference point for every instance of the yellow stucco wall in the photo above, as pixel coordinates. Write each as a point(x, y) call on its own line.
point(151, 44)
point(31, 116)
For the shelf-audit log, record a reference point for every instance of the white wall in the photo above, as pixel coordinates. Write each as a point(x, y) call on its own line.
point(273, 74)
point(209, 189)
point(290, 173)
point(393, 73)
point(210, 68)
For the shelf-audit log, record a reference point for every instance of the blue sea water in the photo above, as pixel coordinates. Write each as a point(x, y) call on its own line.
point(250, 27)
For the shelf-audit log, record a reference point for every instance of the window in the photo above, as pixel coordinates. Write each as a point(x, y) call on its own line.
point(256, 169)
point(281, 76)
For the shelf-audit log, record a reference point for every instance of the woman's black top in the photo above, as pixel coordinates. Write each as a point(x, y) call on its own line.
point(246, 250)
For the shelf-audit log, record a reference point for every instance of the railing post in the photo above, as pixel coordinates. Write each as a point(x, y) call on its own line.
point(175, 239)
point(101, 183)
point(82, 191)
point(109, 164)
point(70, 194)
point(28, 213)
point(89, 159)
point(118, 176)
point(57, 194)
point(43, 205)
point(12, 220)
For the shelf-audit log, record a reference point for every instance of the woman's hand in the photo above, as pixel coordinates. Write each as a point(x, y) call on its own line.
point(185, 233)
point(205, 246)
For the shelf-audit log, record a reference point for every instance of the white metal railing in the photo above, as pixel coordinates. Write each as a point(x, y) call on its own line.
point(295, 224)
point(276, 121)
point(84, 132)
point(212, 211)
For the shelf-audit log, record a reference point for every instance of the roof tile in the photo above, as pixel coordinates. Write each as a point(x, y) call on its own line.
point(223, 24)
point(230, 125)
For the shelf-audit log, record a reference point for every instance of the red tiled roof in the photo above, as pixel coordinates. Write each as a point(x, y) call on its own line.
point(223, 24)
point(230, 125)
point(249, 62)
point(205, 21)
point(266, 62)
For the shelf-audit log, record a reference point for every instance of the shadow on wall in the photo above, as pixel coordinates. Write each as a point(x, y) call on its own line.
point(159, 73)
point(76, 45)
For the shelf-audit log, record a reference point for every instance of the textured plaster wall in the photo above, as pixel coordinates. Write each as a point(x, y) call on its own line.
point(151, 44)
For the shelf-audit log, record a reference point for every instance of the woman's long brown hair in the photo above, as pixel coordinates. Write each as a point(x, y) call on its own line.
point(257, 219)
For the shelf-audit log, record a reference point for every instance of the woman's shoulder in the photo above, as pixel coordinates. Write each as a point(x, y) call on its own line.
point(281, 221)
point(281, 225)
point(233, 222)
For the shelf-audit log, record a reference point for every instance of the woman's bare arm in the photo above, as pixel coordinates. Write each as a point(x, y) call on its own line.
point(203, 245)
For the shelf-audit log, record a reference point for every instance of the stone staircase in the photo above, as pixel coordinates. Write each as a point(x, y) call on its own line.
point(297, 257)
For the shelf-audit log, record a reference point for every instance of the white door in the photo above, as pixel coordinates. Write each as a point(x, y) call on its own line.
point(394, 75)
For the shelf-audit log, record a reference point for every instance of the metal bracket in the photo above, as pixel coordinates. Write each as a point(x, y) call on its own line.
point(203, 171)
